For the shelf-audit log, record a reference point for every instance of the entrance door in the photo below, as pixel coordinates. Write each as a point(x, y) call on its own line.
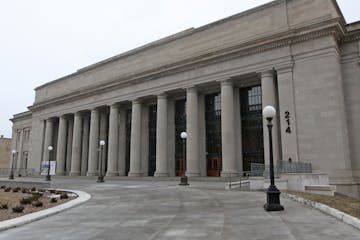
point(180, 126)
point(213, 134)
point(152, 140)
point(251, 125)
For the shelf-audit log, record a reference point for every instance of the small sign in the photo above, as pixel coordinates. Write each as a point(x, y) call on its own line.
point(45, 166)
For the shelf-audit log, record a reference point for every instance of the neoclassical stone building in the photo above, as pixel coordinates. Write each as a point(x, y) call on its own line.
point(212, 82)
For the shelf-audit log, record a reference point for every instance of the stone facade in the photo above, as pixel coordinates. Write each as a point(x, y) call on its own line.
point(301, 53)
point(5, 151)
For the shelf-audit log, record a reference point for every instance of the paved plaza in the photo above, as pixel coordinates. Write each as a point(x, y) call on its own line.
point(138, 209)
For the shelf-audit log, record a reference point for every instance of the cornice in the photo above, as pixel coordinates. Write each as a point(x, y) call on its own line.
point(329, 27)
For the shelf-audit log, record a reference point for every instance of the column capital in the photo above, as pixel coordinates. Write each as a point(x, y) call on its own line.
point(77, 114)
point(114, 105)
point(266, 73)
point(63, 117)
point(284, 68)
point(136, 101)
point(51, 119)
point(227, 82)
point(162, 95)
point(191, 89)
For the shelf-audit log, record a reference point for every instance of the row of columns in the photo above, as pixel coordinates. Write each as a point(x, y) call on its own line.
point(84, 147)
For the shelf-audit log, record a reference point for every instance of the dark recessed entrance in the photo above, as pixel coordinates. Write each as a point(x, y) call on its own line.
point(180, 126)
point(152, 140)
point(213, 134)
point(251, 125)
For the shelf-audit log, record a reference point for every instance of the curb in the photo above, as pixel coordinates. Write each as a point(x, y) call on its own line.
point(15, 222)
point(346, 218)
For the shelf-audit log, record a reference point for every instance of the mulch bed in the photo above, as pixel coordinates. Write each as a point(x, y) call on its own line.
point(342, 203)
point(12, 199)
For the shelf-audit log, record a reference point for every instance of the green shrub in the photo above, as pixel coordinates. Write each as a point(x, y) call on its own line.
point(64, 196)
point(24, 190)
point(33, 189)
point(3, 206)
point(8, 189)
point(16, 189)
point(3, 186)
point(18, 209)
point(24, 201)
point(35, 196)
point(53, 200)
point(37, 203)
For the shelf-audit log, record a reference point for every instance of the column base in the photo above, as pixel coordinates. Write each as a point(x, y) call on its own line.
point(161, 174)
point(122, 173)
point(60, 174)
point(192, 174)
point(135, 174)
point(112, 174)
point(229, 174)
point(74, 174)
point(92, 174)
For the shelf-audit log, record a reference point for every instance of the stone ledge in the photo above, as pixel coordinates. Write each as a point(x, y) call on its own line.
point(346, 218)
point(24, 183)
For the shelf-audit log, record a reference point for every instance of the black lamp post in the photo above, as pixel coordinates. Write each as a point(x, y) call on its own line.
point(100, 175)
point(272, 193)
point(11, 176)
point(48, 176)
point(184, 178)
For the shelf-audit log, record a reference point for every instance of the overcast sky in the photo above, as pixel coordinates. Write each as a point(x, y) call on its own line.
point(42, 40)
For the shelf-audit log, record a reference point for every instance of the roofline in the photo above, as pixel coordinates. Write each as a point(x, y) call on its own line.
point(164, 40)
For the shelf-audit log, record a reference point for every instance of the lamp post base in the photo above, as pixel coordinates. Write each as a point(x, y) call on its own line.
point(48, 178)
point(100, 179)
point(11, 176)
point(183, 181)
point(273, 199)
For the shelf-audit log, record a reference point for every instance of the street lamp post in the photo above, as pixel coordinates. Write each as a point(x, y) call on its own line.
point(100, 175)
point(48, 176)
point(11, 176)
point(184, 178)
point(272, 193)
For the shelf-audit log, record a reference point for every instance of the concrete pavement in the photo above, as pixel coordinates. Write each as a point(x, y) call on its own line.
point(135, 209)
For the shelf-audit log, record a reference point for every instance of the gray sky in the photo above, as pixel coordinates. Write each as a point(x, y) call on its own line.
point(42, 40)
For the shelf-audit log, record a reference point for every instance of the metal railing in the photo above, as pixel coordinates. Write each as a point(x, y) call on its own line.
point(282, 167)
point(18, 172)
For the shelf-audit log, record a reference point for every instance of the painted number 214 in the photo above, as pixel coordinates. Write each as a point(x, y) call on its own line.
point(287, 119)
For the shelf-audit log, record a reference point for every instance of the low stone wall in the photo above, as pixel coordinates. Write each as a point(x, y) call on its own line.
point(24, 183)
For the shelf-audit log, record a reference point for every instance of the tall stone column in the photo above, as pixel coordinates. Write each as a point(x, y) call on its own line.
point(20, 147)
point(103, 136)
point(268, 91)
point(69, 145)
point(48, 138)
point(122, 143)
point(135, 144)
point(161, 137)
point(61, 146)
point(287, 114)
point(93, 143)
point(112, 169)
point(192, 129)
point(76, 146)
point(85, 146)
point(229, 168)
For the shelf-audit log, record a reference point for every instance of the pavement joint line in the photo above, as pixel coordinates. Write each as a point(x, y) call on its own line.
point(344, 217)
point(16, 222)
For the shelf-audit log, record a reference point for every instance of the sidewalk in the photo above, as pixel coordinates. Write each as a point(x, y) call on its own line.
point(133, 209)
